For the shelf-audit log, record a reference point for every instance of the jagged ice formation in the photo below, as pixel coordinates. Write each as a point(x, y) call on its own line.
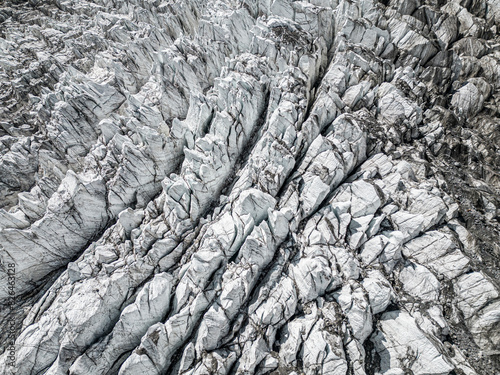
point(250, 187)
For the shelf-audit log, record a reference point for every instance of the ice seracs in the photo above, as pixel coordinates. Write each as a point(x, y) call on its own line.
point(250, 187)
